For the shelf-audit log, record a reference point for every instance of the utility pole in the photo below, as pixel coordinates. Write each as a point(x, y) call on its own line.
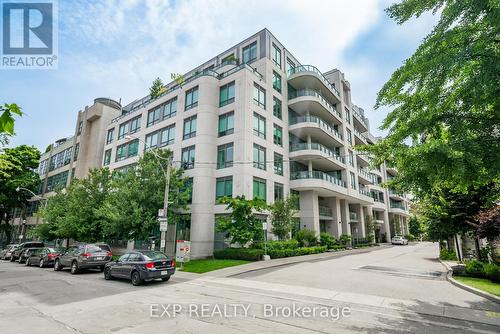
point(165, 205)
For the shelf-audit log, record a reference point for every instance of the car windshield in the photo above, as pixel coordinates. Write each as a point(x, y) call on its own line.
point(104, 247)
point(51, 250)
point(95, 249)
point(154, 255)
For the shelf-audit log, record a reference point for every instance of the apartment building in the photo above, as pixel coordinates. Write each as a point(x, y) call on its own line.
point(254, 121)
point(69, 157)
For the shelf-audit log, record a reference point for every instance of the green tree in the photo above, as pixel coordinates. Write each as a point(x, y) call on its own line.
point(414, 226)
point(17, 167)
point(241, 225)
point(282, 212)
point(7, 113)
point(156, 88)
point(445, 100)
point(370, 228)
point(132, 206)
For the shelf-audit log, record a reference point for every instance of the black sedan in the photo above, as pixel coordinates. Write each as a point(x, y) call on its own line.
point(44, 256)
point(141, 266)
point(27, 253)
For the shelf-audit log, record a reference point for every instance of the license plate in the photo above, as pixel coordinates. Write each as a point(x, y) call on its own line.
point(164, 272)
point(99, 258)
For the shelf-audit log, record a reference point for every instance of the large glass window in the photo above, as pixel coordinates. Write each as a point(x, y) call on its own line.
point(189, 127)
point(225, 156)
point(127, 150)
point(259, 125)
point(167, 135)
point(226, 124)
point(277, 135)
point(250, 52)
point(349, 136)
point(131, 126)
point(122, 130)
point(163, 111)
point(259, 157)
point(279, 192)
point(107, 157)
point(289, 65)
point(276, 56)
point(353, 180)
point(135, 125)
point(187, 157)
point(226, 94)
point(277, 81)
point(278, 163)
point(191, 98)
point(151, 140)
point(110, 135)
point(259, 96)
point(277, 108)
point(224, 187)
point(259, 188)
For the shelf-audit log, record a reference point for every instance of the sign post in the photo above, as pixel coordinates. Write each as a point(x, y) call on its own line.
point(264, 229)
point(183, 251)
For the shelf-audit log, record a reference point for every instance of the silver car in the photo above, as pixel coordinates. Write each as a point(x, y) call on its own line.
point(399, 240)
point(6, 253)
point(83, 257)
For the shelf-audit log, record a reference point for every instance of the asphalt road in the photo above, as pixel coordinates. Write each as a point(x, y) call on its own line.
point(390, 290)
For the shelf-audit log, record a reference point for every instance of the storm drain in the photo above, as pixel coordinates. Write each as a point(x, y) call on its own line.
point(405, 272)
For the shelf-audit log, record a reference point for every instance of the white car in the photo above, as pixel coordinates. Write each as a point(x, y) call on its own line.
point(399, 240)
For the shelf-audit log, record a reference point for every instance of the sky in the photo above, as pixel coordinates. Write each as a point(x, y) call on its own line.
point(117, 48)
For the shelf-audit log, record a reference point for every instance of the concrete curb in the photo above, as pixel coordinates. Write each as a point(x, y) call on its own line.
point(484, 294)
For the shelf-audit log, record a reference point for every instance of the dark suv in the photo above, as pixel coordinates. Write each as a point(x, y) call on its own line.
point(22, 247)
point(84, 257)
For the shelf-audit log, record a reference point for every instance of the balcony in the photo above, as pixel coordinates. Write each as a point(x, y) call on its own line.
point(365, 192)
point(325, 211)
point(312, 151)
point(312, 101)
point(316, 127)
point(366, 176)
point(359, 139)
point(308, 76)
point(359, 117)
point(394, 194)
point(324, 184)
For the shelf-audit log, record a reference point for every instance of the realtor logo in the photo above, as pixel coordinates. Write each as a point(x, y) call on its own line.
point(29, 34)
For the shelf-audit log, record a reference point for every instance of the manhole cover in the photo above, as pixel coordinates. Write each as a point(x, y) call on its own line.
point(404, 271)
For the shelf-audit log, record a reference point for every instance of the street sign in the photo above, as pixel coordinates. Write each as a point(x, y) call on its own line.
point(183, 251)
point(163, 225)
point(162, 244)
point(264, 226)
point(161, 212)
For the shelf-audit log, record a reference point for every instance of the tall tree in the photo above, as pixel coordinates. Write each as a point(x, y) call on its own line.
point(156, 88)
point(445, 100)
point(282, 213)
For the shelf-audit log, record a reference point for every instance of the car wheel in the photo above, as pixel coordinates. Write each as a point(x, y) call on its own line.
point(57, 265)
point(136, 278)
point(164, 279)
point(11, 259)
point(74, 267)
point(107, 274)
point(41, 264)
point(27, 262)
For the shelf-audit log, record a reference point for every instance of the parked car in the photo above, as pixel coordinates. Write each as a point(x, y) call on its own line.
point(44, 256)
point(141, 266)
point(6, 253)
point(399, 240)
point(27, 253)
point(84, 257)
point(22, 247)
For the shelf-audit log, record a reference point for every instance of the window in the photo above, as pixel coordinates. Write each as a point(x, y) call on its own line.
point(277, 135)
point(349, 136)
point(224, 187)
point(122, 130)
point(259, 188)
point(289, 65)
point(77, 150)
point(353, 181)
point(107, 157)
point(57, 181)
point(80, 128)
point(277, 108)
point(188, 186)
point(277, 81)
point(226, 124)
point(351, 158)
point(167, 135)
point(259, 125)
point(151, 141)
point(187, 157)
point(230, 59)
point(191, 98)
point(135, 125)
point(226, 94)
point(259, 157)
point(127, 150)
point(279, 193)
point(110, 135)
point(162, 112)
point(276, 56)
point(278, 163)
point(250, 52)
point(189, 127)
point(130, 126)
point(259, 96)
point(347, 115)
point(225, 156)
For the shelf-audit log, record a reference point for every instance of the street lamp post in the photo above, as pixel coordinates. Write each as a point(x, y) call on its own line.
point(166, 174)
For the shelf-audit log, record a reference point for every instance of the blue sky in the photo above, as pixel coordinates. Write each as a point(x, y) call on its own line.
point(116, 48)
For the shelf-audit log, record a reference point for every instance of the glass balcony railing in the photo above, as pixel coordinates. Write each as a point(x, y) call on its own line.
point(317, 147)
point(397, 205)
point(325, 211)
point(360, 135)
point(313, 119)
point(358, 115)
point(366, 174)
point(311, 68)
point(311, 92)
point(317, 175)
point(365, 191)
point(395, 193)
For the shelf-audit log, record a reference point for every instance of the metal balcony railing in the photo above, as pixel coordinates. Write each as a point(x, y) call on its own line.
point(313, 119)
point(317, 175)
point(311, 92)
point(314, 69)
point(325, 211)
point(317, 147)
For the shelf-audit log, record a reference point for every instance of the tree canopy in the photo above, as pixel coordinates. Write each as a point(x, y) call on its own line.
point(7, 113)
point(282, 212)
point(156, 88)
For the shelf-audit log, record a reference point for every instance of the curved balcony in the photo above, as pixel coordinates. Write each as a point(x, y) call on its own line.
point(365, 193)
point(359, 139)
point(316, 151)
point(365, 176)
point(308, 76)
point(315, 127)
point(394, 194)
point(310, 101)
point(359, 118)
point(325, 184)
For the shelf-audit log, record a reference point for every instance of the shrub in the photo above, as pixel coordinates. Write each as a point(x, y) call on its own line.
point(327, 240)
point(285, 244)
point(474, 268)
point(409, 237)
point(447, 255)
point(306, 238)
point(279, 253)
point(345, 239)
point(492, 271)
point(249, 254)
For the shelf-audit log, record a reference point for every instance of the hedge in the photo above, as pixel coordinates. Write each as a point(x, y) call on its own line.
point(475, 268)
point(249, 254)
point(285, 244)
point(279, 253)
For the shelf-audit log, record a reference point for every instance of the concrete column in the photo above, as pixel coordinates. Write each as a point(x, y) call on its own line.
point(344, 214)
point(308, 140)
point(334, 204)
point(310, 166)
point(309, 211)
point(387, 226)
point(361, 219)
